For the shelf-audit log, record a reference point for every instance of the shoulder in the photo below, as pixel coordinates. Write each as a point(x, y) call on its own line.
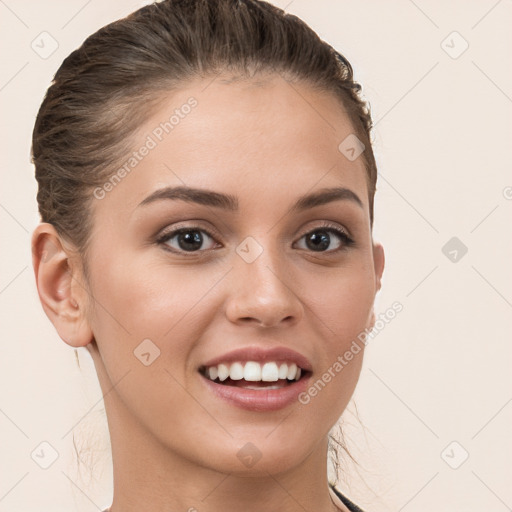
point(349, 504)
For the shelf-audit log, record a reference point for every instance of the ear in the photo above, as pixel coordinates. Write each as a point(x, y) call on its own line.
point(60, 285)
point(378, 262)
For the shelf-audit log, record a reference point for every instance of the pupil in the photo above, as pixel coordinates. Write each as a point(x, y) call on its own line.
point(189, 238)
point(318, 242)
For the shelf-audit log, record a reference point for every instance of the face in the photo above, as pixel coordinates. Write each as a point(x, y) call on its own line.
point(254, 274)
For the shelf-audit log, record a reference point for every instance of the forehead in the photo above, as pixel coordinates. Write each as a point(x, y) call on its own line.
point(247, 137)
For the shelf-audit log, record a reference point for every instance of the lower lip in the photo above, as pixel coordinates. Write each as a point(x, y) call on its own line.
point(258, 399)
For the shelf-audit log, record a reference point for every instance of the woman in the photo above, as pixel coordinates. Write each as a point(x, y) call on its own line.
point(206, 184)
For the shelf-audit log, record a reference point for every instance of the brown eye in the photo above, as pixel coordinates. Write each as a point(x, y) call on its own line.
point(326, 240)
point(186, 240)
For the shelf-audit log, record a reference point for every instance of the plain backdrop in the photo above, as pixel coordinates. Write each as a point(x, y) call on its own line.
point(434, 394)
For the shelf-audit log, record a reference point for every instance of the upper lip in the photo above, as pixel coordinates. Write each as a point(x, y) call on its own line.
point(262, 355)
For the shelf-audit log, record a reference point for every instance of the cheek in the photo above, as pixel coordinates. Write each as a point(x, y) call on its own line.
point(343, 301)
point(137, 300)
point(341, 305)
point(342, 313)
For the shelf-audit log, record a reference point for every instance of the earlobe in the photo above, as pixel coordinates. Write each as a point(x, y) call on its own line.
point(59, 287)
point(379, 262)
point(371, 323)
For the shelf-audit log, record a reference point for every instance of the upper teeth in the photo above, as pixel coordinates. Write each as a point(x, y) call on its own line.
point(253, 371)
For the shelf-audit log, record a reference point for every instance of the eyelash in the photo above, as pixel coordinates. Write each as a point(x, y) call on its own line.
point(346, 241)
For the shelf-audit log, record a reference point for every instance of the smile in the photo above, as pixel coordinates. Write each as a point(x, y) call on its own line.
point(257, 379)
point(242, 374)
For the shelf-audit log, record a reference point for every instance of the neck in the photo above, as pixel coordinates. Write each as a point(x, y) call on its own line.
point(147, 475)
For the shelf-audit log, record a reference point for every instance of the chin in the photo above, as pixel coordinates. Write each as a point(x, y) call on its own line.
point(259, 457)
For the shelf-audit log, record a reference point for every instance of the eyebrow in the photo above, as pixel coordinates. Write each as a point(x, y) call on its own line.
point(230, 202)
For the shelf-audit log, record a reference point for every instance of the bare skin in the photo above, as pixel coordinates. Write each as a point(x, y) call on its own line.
point(175, 444)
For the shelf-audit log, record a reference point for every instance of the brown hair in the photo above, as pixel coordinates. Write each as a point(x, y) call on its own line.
point(105, 89)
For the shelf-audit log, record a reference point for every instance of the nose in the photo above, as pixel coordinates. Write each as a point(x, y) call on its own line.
point(263, 293)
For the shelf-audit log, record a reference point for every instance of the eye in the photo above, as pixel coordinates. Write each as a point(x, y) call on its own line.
point(321, 239)
point(193, 239)
point(186, 240)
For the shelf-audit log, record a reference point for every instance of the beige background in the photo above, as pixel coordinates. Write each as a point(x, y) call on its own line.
point(438, 373)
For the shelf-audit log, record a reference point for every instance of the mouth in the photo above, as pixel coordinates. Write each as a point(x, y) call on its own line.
point(257, 379)
point(255, 375)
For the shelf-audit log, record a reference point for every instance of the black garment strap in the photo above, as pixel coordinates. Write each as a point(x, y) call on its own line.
point(351, 506)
